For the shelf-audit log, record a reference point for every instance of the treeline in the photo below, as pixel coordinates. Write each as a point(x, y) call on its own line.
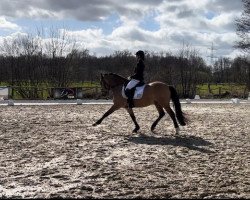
point(25, 63)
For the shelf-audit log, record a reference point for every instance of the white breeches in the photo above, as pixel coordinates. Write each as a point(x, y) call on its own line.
point(132, 83)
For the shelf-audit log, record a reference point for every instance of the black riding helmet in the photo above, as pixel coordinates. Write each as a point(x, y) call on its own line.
point(140, 53)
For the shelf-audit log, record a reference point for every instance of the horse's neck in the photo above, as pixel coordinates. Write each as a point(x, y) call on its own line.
point(118, 80)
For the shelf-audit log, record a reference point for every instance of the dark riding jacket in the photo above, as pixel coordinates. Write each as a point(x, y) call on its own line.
point(138, 71)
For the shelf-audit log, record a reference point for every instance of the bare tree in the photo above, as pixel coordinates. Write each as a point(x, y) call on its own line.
point(189, 64)
point(243, 28)
point(243, 31)
point(221, 70)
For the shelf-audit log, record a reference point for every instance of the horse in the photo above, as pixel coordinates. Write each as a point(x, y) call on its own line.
point(157, 93)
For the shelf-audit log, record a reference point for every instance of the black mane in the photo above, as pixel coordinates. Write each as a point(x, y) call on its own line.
point(121, 77)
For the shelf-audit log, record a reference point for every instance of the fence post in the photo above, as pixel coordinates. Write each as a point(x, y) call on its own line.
point(12, 92)
point(220, 92)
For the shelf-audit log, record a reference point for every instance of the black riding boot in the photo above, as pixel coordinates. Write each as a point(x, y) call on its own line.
point(129, 94)
point(130, 102)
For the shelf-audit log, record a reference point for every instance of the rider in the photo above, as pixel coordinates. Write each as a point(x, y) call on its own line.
point(136, 78)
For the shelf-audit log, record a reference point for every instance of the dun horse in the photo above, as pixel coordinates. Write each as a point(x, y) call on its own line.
point(157, 93)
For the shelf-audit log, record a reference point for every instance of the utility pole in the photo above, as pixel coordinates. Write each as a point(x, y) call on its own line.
point(212, 56)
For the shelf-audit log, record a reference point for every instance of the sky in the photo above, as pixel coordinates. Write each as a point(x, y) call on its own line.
point(106, 26)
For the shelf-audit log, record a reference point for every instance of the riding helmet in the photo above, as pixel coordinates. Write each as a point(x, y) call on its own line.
point(140, 53)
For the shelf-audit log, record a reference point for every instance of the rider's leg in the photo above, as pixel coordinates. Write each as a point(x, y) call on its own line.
point(130, 93)
point(132, 83)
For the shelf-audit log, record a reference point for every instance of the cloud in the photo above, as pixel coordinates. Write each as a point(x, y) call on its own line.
point(7, 25)
point(87, 10)
point(198, 23)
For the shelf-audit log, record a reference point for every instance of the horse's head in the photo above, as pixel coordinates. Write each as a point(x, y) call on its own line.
point(104, 81)
point(111, 80)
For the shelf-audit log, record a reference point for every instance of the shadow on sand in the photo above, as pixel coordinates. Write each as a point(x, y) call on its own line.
point(188, 141)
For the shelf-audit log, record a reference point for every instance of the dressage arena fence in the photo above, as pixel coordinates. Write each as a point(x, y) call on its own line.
point(35, 93)
point(96, 92)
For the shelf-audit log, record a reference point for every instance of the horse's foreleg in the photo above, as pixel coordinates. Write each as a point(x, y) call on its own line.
point(132, 115)
point(161, 114)
point(110, 111)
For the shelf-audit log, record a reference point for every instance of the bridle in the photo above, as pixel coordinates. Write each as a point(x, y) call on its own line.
point(104, 84)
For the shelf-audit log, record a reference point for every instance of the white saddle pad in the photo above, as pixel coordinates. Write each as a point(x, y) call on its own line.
point(138, 92)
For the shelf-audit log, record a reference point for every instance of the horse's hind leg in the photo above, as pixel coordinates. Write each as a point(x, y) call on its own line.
point(132, 115)
point(172, 115)
point(161, 114)
point(110, 111)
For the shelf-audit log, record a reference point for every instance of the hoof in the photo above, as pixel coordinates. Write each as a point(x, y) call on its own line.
point(135, 130)
point(177, 131)
point(95, 124)
point(153, 126)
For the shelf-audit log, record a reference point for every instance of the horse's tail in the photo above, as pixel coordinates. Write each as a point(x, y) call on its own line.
point(177, 105)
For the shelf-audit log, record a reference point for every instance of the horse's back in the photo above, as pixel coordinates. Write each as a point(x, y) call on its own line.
point(157, 83)
point(159, 91)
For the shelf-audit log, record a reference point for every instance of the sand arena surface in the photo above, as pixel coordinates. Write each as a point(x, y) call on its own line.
point(54, 151)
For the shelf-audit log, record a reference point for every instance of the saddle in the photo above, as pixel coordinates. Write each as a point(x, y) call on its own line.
point(135, 92)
